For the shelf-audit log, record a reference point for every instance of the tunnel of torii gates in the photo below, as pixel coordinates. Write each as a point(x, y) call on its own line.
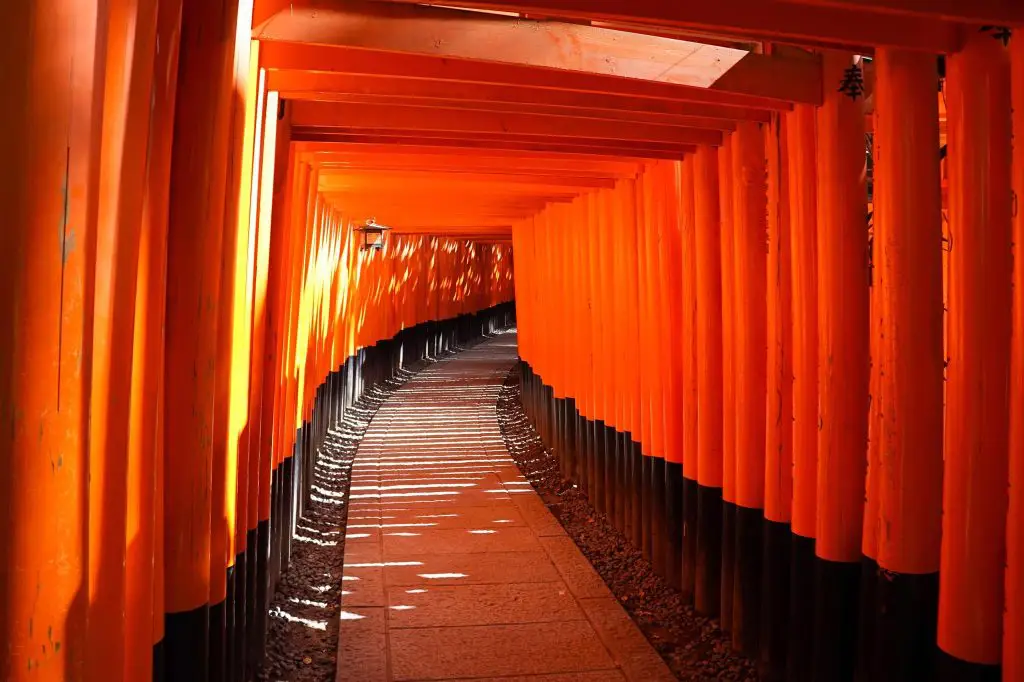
point(769, 315)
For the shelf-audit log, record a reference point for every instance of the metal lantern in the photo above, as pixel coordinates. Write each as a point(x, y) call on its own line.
point(372, 235)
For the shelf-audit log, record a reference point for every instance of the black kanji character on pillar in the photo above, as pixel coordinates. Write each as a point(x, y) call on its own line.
point(1002, 33)
point(853, 82)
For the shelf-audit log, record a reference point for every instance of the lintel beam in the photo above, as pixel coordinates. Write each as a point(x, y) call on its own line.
point(328, 115)
point(570, 48)
point(837, 24)
point(293, 84)
point(328, 58)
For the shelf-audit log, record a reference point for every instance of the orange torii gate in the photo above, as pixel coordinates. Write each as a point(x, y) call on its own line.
point(816, 437)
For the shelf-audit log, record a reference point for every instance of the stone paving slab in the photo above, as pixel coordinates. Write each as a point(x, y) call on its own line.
point(454, 567)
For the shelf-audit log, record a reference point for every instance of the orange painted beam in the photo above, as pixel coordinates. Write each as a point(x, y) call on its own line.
point(572, 47)
point(838, 26)
point(587, 147)
point(297, 84)
point(459, 34)
point(1007, 12)
point(451, 181)
point(327, 58)
point(582, 114)
point(330, 115)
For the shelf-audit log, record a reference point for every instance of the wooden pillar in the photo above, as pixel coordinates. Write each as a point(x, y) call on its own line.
point(644, 347)
point(634, 456)
point(52, 54)
point(750, 338)
point(708, 456)
point(977, 390)
point(156, 206)
point(234, 341)
point(689, 344)
point(1013, 624)
point(907, 255)
point(120, 475)
point(198, 183)
point(677, 227)
point(727, 243)
point(842, 370)
point(800, 146)
point(778, 484)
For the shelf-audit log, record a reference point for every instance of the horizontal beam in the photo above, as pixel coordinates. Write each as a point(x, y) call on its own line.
point(458, 34)
point(320, 85)
point(607, 115)
point(840, 25)
point(455, 181)
point(587, 148)
point(328, 115)
point(1000, 12)
point(514, 155)
point(328, 58)
point(486, 163)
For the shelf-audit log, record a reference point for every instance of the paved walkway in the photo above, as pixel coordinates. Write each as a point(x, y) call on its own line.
point(454, 568)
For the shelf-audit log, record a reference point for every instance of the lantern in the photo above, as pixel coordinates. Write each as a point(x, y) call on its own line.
point(372, 235)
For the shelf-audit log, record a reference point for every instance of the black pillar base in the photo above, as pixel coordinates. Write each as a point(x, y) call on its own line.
point(774, 601)
point(800, 657)
point(746, 605)
point(906, 611)
point(836, 601)
point(728, 563)
point(674, 523)
point(187, 645)
point(707, 595)
point(688, 572)
point(659, 531)
point(218, 629)
point(646, 506)
point(952, 669)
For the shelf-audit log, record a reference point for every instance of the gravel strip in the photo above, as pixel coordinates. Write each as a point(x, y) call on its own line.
point(302, 638)
point(692, 645)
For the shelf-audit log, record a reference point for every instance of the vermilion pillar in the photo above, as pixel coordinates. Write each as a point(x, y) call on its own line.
point(51, 55)
point(676, 259)
point(198, 179)
point(978, 348)
point(689, 398)
point(908, 257)
point(750, 347)
point(113, 513)
point(708, 289)
point(1013, 625)
point(802, 167)
point(778, 484)
point(842, 370)
point(634, 455)
point(727, 241)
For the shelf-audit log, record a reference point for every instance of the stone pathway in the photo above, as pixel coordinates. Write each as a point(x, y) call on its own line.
point(454, 568)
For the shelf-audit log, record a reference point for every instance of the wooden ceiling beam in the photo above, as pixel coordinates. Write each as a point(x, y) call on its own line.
point(293, 84)
point(328, 58)
point(454, 181)
point(999, 12)
point(514, 155)
point(330, 115)
point(570, 48)
point(619, 117)
point(600, 149)
point(825, 22)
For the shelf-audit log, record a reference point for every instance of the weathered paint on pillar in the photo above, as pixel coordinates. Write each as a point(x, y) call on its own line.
point(1013, 623)
point(907, 255)
point(842, 368)
point(708, 287)
point(977, 391)
point(750, 348)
